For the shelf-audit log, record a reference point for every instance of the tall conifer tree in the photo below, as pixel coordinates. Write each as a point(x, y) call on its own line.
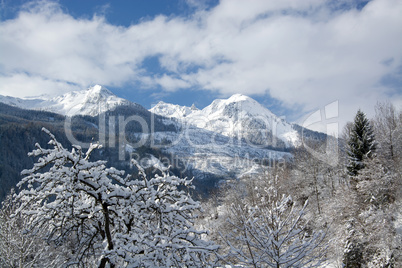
point(361, 143)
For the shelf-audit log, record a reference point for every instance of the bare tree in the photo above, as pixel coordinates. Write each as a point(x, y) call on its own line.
point(16, 248)
point(108, 220)
point(270, 231)
point(388, 129)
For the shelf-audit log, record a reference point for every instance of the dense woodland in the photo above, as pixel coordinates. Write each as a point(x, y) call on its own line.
point(72, 209)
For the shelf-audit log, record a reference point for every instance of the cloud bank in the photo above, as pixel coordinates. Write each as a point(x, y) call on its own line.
point(303, 53)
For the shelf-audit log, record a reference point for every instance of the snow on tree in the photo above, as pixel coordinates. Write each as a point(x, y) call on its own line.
point(272, 233)
point(377, 191)
point(353, 252)
point(361, 143)
point(106, 219)
point(388, 130)
point(311, 179)
point(16, 248)
point(163, 233)
point(370, 210)
point(370, 204)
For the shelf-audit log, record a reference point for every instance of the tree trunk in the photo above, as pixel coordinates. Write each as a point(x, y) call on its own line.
point(316, 190)
point(108, 234)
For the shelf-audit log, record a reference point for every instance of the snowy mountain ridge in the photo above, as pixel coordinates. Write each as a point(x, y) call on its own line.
point(92, 101)
point(233, 136)
point(172, 110)
point(229, 136)
point(238, 117)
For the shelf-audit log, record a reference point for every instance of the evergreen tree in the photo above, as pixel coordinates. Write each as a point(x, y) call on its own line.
point(361, 143)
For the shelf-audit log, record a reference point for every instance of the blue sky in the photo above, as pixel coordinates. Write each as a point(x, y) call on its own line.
point(292, 56)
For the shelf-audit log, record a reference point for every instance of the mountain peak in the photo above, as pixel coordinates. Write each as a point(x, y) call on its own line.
point(172, 110)
point(238, 103)
point(92, 101)
point(194, 108)
point(239, 98)
point(99, 90)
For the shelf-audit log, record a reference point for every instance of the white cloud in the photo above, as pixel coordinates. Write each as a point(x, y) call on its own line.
point(303, 53)
point(170, 83)
point(23, 85)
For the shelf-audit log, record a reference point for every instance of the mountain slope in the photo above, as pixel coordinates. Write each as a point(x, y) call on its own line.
point(93, 101)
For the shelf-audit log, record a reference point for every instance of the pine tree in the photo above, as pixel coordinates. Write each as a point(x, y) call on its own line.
point(361, 143)
point(361, 146)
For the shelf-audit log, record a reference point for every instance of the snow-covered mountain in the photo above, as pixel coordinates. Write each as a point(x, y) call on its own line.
point(173, 110)
point(239, 117)
point(230, 136)
point(91, 101)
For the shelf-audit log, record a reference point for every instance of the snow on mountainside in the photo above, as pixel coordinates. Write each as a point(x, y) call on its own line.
point(230, 136)
point(25, 103)
point(92, 101)
point(172, 110)
point(238, 117)
point(203, 151)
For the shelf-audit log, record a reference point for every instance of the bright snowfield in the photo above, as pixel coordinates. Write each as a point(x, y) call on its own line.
point(93, 101)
